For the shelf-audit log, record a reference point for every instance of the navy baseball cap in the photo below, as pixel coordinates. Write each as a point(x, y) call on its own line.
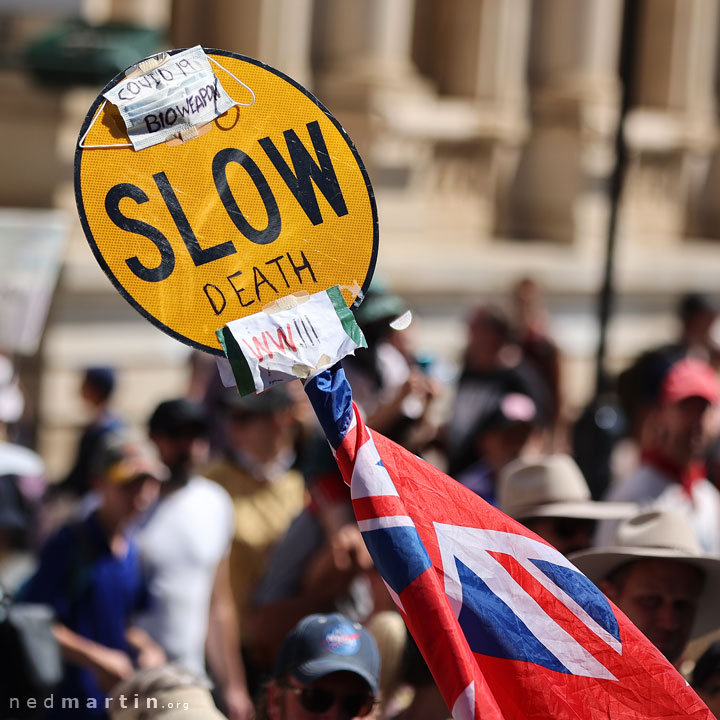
point(322, 644)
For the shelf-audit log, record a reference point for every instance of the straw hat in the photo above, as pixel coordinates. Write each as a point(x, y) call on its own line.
point(663, 535)
point(552, 486)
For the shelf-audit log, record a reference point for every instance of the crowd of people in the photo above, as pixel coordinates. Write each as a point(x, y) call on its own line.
point(210, 559)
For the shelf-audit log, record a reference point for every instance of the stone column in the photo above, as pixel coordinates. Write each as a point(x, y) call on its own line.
point(701, 94)
point(214, 23)
point(671, 129)
point(287, 38)
point(480, 49)
point(154, 14)
point(363, 64)
point(557, 192)
point(277, 32)
point(475, 52)
point(363, 46)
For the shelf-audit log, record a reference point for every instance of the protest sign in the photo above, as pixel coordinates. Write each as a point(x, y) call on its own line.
point(33, 242)
point(269, 199)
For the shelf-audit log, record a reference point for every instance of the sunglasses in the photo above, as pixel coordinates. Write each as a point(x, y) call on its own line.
point(568, 528)
point(318, 700)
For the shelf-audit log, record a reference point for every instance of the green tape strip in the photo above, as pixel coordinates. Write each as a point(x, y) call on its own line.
point(240, 368)
point(346, 317)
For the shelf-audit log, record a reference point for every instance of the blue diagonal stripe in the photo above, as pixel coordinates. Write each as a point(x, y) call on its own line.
point(398, 554)
point(493, 629)
point(584, 593)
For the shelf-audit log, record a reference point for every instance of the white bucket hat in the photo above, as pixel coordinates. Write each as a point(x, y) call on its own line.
point(664, 535)
point(552, 486)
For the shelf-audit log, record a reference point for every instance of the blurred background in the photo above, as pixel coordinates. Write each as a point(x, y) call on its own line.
point(490, 132)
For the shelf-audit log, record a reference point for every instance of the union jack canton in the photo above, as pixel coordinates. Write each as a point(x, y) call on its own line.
point(508, 627)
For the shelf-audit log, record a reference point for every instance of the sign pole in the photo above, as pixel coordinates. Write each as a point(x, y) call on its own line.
point(607, 292)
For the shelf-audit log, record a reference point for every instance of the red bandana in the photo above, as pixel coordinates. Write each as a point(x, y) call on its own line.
point(687, 476)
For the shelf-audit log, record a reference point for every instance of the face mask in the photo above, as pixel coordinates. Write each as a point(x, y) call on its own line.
point(175, 108)
point(184, 91)
point(161, 95)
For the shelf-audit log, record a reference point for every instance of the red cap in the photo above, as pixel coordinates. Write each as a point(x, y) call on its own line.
point(687, 378)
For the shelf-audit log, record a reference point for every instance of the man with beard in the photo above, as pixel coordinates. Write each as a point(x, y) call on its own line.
point(656, 573)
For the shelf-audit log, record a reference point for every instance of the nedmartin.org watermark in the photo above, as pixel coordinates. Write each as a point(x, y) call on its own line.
point(134, 702)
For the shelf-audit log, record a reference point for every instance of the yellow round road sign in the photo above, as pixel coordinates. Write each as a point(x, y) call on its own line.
point(274, 199)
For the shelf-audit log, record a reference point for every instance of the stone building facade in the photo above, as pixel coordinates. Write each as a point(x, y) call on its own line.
point(488, 129)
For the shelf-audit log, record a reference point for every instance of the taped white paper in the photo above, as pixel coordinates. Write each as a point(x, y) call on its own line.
point(268, 348)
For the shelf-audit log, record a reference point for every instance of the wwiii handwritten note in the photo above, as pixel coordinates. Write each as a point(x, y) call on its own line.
point(294, 338)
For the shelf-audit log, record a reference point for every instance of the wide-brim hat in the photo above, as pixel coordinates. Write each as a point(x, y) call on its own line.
point(164, 692)
point(553, 486)
point(663, 535)
point(186, 703)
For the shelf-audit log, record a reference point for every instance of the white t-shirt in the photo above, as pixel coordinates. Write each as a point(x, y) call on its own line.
point(652, 489)
point(181, 543)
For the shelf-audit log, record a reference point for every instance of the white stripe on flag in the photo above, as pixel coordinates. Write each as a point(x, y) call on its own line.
point(369, 474)
point(464, 707)
point(388, 521)
point(395, 597)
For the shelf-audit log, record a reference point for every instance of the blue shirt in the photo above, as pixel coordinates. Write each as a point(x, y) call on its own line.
point(94, 593)
point(480, 479)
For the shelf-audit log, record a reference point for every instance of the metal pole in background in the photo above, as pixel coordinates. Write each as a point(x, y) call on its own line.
point(630, 24)
point(601, 424)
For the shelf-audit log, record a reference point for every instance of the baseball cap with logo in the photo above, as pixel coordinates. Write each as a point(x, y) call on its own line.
point(322, 644)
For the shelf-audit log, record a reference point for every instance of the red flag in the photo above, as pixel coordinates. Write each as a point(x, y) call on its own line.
point(508, 626)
